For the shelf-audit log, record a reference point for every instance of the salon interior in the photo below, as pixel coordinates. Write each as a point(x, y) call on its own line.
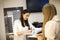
point(10, 10)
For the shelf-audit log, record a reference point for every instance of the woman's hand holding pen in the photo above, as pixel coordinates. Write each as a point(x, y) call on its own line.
point(28, 31)
point(20, 33)
point(23, 32)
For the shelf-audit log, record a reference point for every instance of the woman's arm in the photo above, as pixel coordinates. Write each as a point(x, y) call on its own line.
point(16, 31)
point(20, 33)
point(31, 26)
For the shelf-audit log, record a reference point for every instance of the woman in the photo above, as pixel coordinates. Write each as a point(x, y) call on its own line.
point(49, 11)
point(22, 26)
point(51, 26)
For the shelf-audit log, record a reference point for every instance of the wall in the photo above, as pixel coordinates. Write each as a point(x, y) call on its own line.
point(57, 5)
point(2, 27)
point(14, 3)
point(36, 17)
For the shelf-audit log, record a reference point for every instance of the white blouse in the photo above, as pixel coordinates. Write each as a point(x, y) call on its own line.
point(52, 29)
point(17, 27)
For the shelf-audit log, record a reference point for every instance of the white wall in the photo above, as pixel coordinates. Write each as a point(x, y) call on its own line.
point(14, 3)
point(22, 3)
point(2, 26)
point(57, 5)
point(36, 17)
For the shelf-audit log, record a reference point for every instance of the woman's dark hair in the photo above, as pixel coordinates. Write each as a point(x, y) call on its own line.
point(24, 22)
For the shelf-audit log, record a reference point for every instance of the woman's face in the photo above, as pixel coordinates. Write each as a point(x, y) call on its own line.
point(25, 16)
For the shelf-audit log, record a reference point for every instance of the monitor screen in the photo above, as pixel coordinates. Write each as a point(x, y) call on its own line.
point(36, 5)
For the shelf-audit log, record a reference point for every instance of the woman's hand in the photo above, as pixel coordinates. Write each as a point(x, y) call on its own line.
point(39, 36)
point(20, 33)
point(28, 31)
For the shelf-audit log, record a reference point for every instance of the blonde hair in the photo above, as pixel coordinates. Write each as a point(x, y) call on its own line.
point(49, 11)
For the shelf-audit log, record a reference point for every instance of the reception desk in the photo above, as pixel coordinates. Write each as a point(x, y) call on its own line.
point(31, 38)
point(40, 37)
